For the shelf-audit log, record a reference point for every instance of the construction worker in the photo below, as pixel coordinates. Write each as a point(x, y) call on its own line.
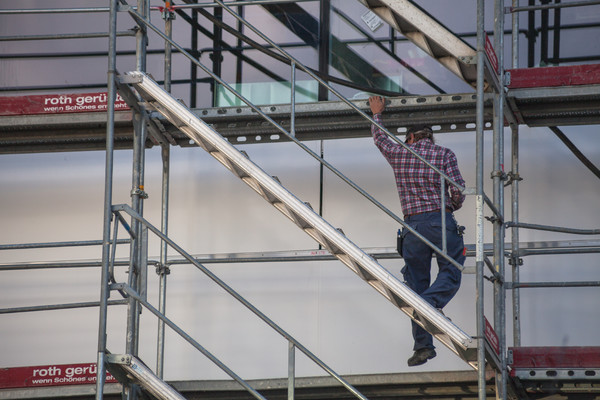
point(419, 188)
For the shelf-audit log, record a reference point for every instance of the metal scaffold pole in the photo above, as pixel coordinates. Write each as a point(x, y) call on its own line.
point(108, 182)
point(480, 200)
point(162, 268)
point(515, 178)
point(499, 177)
point(138, 265)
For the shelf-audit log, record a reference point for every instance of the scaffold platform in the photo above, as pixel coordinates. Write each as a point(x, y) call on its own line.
point(78, 131)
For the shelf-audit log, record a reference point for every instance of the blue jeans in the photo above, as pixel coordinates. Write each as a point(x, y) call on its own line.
point(417, 271)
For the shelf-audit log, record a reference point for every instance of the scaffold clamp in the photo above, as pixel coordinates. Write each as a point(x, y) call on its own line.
point(139, 191)
point(512, 177)
point(499, 174)
point(168, 11)
point(515, 260)
point(162, 269)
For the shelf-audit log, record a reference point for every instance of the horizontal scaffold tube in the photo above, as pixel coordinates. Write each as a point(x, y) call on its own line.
point(553, 228)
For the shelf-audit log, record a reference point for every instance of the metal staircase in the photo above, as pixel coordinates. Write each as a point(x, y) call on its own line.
point(304, 217)
point(429, 35)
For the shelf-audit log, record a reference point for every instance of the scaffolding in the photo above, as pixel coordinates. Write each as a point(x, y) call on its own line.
point(497, 101)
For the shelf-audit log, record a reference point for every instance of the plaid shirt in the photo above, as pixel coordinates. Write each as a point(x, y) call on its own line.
point(418, 185)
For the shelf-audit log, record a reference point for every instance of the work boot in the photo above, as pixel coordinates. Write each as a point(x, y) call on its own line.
point(421, 356)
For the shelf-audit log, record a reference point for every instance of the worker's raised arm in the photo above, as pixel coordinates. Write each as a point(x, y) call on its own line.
point(377, 104)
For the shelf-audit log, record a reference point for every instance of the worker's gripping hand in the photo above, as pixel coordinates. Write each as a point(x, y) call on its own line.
point(377, 104)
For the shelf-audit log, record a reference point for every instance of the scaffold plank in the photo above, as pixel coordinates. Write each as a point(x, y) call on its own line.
point(556, 357)
point(569, 75)
point(531, 366)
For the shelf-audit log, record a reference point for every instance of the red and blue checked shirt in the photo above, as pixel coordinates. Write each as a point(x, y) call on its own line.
point(419, 187)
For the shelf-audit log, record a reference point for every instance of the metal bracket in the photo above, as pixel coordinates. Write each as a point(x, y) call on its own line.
point(512, 177)
point(471, 60)
point(519, 261)
point(495, 278)
point(493, 219)
point(162, 269)
point(129, 79)
point(167, 13)
point(499, 174)
point(139, 191)
point(123, 359)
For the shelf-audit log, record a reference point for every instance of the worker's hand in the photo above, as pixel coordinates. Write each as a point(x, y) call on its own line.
point(377, 104)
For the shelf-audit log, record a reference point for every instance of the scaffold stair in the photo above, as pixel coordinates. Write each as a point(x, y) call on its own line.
point(303, 216)
point(129, 369)
point(429, 35)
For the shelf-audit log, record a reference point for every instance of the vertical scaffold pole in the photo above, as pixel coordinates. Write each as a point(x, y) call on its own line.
point(291, 371)
point(479, 254)
point(498, 183)
point(136, 267)
point(324, 44)
point(108, 182)
point(163, 269)
point(515, 259)
point(293, 100)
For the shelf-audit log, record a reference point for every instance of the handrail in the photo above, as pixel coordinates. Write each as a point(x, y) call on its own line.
point(66, 306)
point(526, 249)
point(140, 19)
point(550, 228)
point(77, 243)
point(134, 295)
point(127, 209)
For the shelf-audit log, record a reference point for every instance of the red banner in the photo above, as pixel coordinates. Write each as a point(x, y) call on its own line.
point(50, 375)
point(556, 357)
point(491, 54)
point(57, 104)
point(491, 337)
point(568, 75)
